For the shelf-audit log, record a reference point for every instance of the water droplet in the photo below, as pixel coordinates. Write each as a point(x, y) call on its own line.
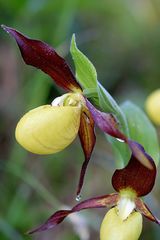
point(120, 140)
point(78, 198)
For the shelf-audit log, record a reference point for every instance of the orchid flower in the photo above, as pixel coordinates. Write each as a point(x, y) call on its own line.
point(124, 220)
point(50, 128)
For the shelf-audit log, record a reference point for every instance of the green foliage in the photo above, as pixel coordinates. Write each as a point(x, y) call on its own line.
point(108, 104)
point(133, 122)
point(87, 77)
point(85, 71)
point(141, 129)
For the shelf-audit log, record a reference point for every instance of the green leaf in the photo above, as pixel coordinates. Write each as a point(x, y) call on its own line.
point(92, 95)
point(87, 76)
point(121, 152)
point(85, 71)
point(141, 129)
point(132, 120)
point(99, 96)
point(108, 104)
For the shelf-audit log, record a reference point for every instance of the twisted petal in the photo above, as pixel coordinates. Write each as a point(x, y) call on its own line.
point(140, 154)
point(59, 216)
point(141, 207)
point(135, 176)
point(48, 129)
point(88, 139)
point(108, 124)
point(41, 55)
point(140, 173)
point(113, 227)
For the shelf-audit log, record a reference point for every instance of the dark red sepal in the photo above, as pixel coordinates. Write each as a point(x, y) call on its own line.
point(135, 176)
point(88, 139)
point(106, 122)
point(59, 216)
point(41, 55)
point(142, 208)
point(54, 220)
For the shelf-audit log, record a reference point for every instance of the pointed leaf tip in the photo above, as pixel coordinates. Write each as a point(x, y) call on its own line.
point(40, 55)
point(85, 71)
point(73, 39)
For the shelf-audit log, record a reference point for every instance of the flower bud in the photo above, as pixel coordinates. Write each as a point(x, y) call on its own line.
point(153, 106)
point(113, 227)
point(48, 129)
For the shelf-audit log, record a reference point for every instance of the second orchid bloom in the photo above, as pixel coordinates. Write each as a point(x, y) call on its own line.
point(124, 220)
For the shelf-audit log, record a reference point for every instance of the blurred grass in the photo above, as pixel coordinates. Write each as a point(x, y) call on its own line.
point(122, 39)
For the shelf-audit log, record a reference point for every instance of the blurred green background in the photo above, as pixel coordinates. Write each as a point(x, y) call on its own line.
point(122, 39)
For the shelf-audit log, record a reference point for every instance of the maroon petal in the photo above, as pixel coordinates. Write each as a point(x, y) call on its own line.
point(140, 172)
point(54, 220)
point(41, 55)
point(135, 176)
point(106, 122)
point(88, 139)
point(142, 208)
point(59, 216)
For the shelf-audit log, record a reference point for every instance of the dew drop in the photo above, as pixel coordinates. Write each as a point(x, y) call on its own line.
point(120, 140)
point(78, 198)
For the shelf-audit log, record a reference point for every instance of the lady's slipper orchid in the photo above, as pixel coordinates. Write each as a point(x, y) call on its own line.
point(43, 139)
point(153, 106)
point(124, 220)
point(51, 128)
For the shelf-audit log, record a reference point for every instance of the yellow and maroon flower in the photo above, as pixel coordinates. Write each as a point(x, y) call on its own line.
point(50, 128)
point(124, 220)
